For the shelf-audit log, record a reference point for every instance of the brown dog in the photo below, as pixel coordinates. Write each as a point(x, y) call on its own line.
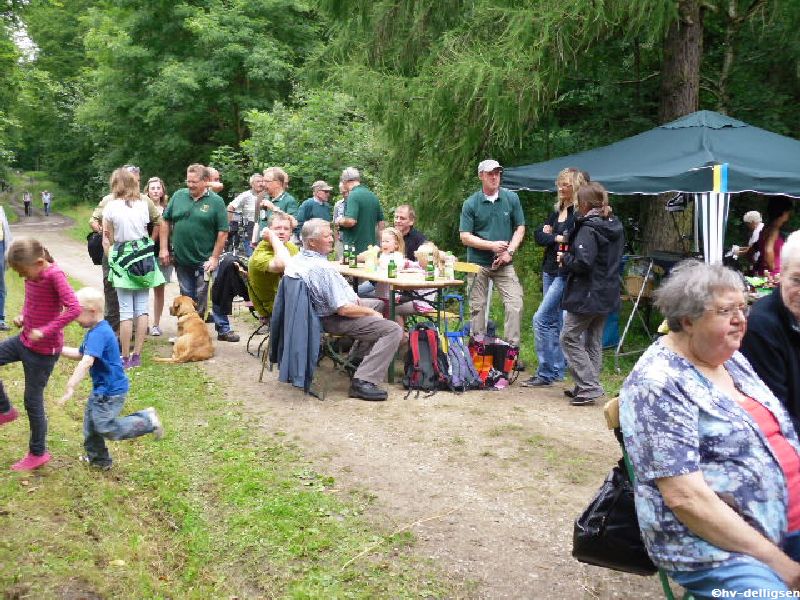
point(193, 342)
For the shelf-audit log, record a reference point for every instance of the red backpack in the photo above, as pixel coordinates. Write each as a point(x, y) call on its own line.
point(426, 367)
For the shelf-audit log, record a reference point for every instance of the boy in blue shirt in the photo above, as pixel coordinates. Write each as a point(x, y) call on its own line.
point(99, 355)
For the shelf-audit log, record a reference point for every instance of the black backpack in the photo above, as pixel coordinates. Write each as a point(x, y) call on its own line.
point(94, 245)
point(426, 367)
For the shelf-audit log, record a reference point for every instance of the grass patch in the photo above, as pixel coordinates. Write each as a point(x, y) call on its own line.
point(80, 214)
point(569, 462)
point(214, 510)
point(502, 430)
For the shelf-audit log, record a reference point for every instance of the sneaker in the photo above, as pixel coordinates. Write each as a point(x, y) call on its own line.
point(126, 363)
point(569, 393)
point(581, 401)
point(4, 327)
point(366, 390)
point(158, 429)
point(536, 382)
point(10, 415)
point(30, 462)
point(102, 466)
point(135, 361)
point(155, 331)
point(228, 336)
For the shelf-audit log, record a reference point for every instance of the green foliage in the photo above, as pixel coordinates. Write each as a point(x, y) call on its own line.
point(316, 136)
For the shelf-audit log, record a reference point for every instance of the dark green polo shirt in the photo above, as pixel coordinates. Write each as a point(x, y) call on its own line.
point(493, 221)
point(285, 202)
point(311, 209)
point(364, 207)
point(195, 225)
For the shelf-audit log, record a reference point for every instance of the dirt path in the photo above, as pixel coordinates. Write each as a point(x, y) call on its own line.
point(490, 481)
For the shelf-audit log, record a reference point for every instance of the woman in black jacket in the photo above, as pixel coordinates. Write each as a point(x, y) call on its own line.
point(591, 289)
point(548, 320)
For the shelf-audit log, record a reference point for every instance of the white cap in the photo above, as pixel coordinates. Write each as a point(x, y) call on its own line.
point(488, 165)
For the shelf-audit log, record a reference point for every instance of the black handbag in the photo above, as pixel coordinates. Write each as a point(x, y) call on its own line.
point(607, 534)
point(94, 244)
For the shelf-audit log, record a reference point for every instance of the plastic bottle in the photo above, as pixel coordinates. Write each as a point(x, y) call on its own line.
point(450, 267)
point(391, 270)
point(430, 269)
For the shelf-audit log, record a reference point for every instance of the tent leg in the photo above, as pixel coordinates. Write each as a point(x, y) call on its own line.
point(634, 311)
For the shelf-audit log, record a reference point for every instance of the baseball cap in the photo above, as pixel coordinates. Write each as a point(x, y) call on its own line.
point(321, 185)
point(488, 165)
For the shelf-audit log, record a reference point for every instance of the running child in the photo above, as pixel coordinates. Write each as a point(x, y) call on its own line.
point(50, 304)
point(99, 355)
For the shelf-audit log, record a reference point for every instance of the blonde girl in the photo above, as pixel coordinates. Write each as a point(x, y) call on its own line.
point(157, 192)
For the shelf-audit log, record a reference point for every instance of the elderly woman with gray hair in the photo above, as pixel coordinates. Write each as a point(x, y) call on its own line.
point(716, 458)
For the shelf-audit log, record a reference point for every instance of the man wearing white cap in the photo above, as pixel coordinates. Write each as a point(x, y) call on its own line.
point(492, 228)
point(315, 207)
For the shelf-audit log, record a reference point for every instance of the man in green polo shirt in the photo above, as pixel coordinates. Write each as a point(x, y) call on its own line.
point(199, 230)
point(492, 228)
point(316, 207)
point(363, 213)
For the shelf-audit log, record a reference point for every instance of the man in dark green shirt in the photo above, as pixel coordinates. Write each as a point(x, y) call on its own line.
point(492, 227)
point(316, 207)
point(199, 230)
point(276, 181)
point(363, 213)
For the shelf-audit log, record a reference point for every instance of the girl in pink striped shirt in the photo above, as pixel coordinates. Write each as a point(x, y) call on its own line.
point(50, 304)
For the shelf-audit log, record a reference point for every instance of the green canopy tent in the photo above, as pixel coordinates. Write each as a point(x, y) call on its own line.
point(681, 156)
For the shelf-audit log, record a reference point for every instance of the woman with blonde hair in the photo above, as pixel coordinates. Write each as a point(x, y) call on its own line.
point(157, 192)
point(132, 264)
point(548, 320)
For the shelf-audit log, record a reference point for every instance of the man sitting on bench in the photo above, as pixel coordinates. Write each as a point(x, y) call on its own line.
point(342, 312)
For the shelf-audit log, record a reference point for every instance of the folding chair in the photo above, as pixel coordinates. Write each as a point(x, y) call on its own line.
point(611, 412)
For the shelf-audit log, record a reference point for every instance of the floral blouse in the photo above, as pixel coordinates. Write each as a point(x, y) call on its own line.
point(676, 422)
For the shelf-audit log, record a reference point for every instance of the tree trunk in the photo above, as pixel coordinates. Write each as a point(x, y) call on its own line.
point(680, 92)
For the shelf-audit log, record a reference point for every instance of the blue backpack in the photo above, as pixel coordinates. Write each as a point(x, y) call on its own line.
point(463, 375)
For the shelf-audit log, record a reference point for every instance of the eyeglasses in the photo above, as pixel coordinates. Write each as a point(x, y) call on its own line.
point(268, 180)
point(728, 312)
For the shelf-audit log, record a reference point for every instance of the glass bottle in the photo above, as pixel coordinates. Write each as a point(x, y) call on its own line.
point(353, 262)
point(391, 270)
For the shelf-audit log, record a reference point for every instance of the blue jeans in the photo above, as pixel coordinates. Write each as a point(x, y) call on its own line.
point(101, 420)
point(2, 281)
point(738, 578)
point(221, 322)
point(547, 323)
point(192, 283)
point(37, 368)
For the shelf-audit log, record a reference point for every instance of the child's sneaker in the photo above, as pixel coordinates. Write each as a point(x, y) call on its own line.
point(155, 330)
point(9, 416)
point(30, 462)
point(135, 361)
point(126, 362)
point(102, 466)
point(158, 429)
